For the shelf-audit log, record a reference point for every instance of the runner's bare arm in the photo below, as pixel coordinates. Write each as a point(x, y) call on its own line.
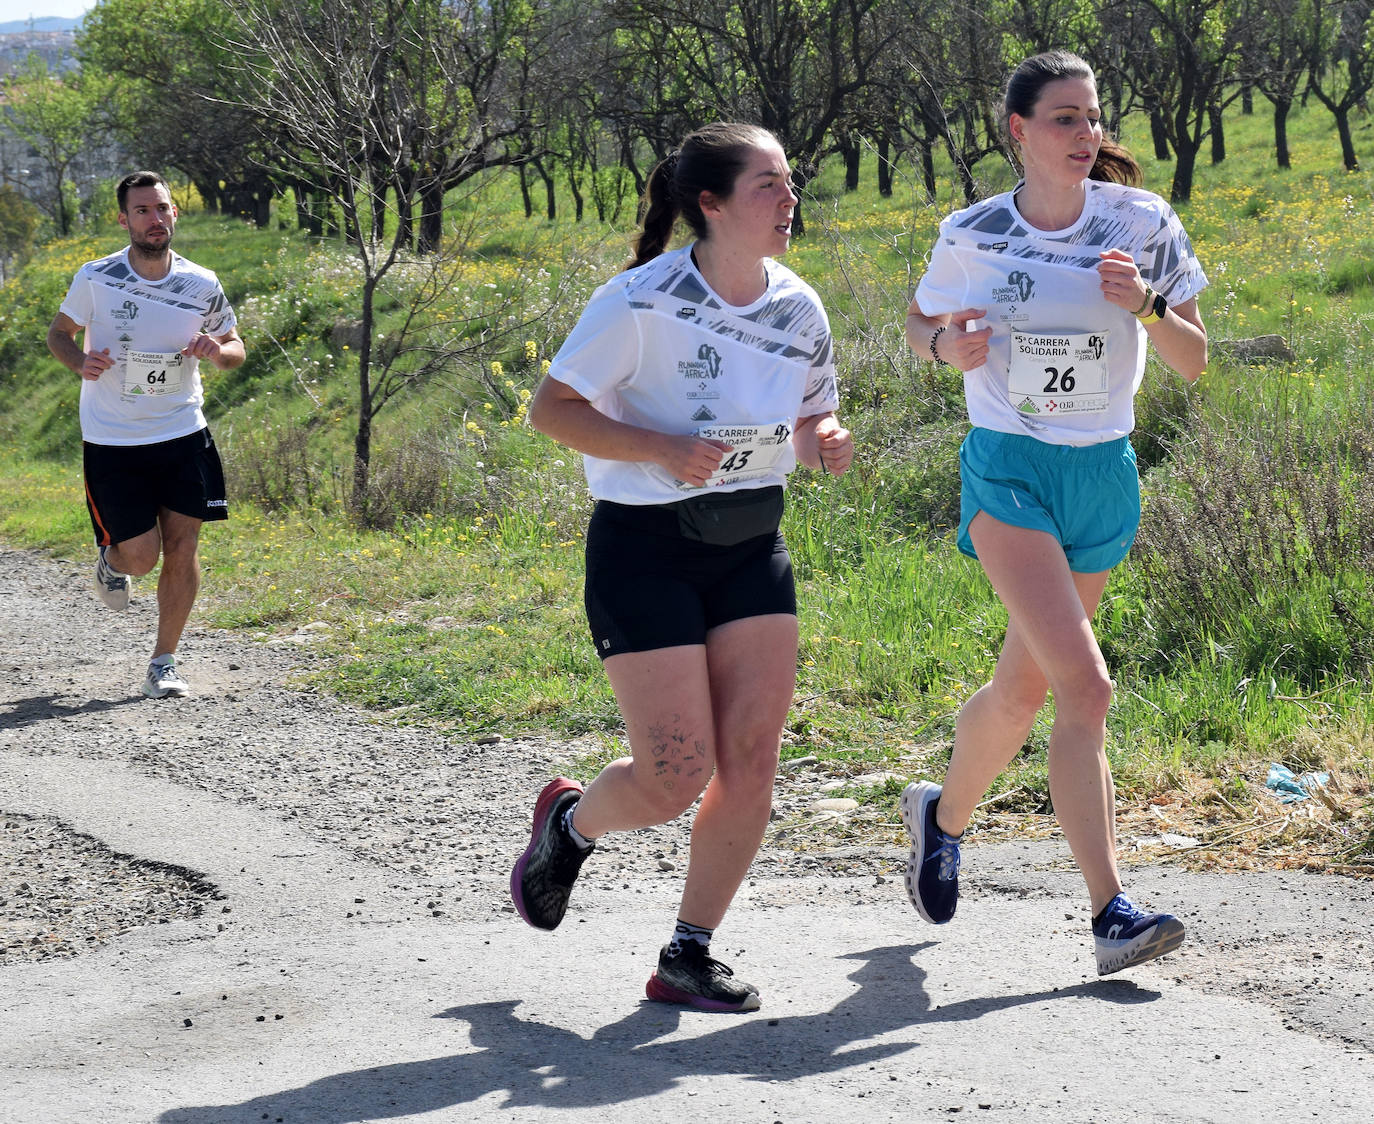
point(62, 343)
point(955, 344)
point(1180, 337)
point(558, 410)
point(226, 351)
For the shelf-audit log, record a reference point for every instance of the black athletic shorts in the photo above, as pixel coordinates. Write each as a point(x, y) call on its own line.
point(650, 587)
point(126, 485)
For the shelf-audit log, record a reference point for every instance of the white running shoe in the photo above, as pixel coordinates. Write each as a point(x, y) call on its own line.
point(164, 681)
point(111, 586)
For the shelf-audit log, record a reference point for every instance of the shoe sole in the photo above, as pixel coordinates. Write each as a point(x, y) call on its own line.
point(661, 992)
point(543, 808)
point(1163, 938)
point(167, 693)
point(916, 798)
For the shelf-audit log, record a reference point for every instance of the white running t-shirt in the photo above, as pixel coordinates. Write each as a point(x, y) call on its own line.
point(152, 392)
point(1063, 364)
point(656, 348)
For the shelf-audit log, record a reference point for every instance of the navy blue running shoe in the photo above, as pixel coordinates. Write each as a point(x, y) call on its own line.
point(1125, 934)
point(932, 868)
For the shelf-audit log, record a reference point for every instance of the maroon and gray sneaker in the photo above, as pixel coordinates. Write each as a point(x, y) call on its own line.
point(696, 979)
point(544, 875)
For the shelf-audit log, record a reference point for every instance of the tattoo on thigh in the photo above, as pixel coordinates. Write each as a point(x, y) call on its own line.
point(676, 752)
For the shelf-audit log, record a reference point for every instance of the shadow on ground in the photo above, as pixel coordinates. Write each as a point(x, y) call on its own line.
point(45, 708)
point(534, 1064)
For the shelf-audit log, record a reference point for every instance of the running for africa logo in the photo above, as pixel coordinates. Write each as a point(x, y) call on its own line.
point(1018, 289)
point(707, 366)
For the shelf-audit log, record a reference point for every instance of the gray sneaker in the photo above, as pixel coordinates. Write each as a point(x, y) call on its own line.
point(111, 586)
point(164, 681)
point(695, 978)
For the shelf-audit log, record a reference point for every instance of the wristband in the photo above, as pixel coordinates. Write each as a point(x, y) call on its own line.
point(934, 340)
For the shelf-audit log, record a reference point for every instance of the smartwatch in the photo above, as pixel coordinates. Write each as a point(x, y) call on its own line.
point(1155, 311)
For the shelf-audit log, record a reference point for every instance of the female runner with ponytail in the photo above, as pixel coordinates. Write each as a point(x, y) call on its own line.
point(692, 384)
point(1046, 297)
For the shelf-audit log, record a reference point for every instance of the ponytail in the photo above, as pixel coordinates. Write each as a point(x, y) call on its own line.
point(1115, 164)
point(660, 213)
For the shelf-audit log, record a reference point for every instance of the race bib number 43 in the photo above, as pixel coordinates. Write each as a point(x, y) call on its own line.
point(1058, 374)
point(754, 449)
point(153, 372)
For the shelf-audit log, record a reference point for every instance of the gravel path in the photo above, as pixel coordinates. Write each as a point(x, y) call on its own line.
point(421, 806)
point(295, 861)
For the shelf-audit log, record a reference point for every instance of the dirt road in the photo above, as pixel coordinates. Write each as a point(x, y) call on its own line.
point(257, 904)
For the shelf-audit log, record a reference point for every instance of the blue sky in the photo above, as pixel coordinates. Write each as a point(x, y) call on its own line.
point(23, 9)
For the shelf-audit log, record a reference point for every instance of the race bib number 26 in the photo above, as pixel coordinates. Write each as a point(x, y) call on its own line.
point(153, 373)
point(1058, 374)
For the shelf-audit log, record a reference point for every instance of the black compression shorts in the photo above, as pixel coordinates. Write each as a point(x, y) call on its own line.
point(650, 587)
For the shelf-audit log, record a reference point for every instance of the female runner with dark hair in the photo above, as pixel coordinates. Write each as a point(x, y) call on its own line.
point(1046, 297)
point(692, 383)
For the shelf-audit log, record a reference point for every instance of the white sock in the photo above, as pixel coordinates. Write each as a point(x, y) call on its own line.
point(683, 932)
point(582, 842)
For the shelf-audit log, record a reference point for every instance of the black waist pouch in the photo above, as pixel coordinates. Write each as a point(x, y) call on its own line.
point(727, 518)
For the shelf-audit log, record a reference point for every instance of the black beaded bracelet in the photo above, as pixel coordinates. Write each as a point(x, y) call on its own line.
point(934, 340)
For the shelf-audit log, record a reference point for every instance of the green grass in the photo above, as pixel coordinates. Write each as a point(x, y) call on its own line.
point(467, 612)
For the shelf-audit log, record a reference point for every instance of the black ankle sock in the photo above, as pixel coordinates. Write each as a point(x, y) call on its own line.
point(580, 841)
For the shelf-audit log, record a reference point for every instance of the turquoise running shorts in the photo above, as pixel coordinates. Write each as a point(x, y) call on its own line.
point(1087, 497)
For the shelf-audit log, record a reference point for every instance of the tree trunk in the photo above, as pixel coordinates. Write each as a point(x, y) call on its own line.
point(885, 168)
point(362, 441)
point(1159, 134)
point(525, 192)
point(1218, 129)
point(1247, 100)
point(852, 155)
point(550, 197)
point(578, 202)
point(1348, 157)
point(1181, 191)
point(928, 170)
point(1281, 109)
point(431, 216)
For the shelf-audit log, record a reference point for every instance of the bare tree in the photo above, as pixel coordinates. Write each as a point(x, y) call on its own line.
point(789, 65)
point(1181, 57)
point(380, 107)
point(1275, 53)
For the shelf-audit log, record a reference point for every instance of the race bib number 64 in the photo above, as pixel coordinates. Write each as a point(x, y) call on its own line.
point(153, 372)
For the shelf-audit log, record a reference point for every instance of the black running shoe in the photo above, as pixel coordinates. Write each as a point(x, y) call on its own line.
point(544, 875)
point(694, 978)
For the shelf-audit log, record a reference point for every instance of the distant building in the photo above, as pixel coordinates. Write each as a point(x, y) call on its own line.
point(56, 47)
